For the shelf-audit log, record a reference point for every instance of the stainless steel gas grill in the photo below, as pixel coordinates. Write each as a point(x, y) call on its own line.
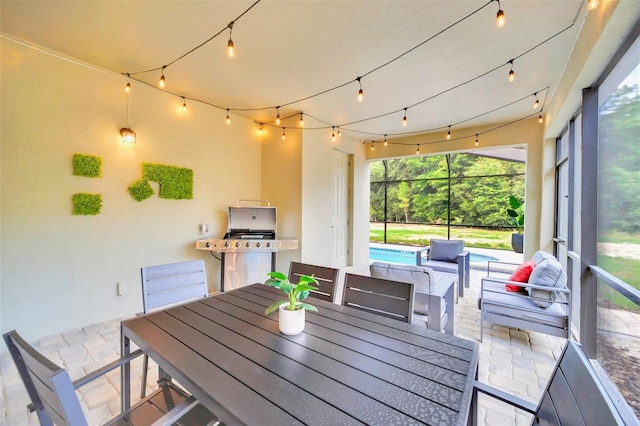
point(248, 248)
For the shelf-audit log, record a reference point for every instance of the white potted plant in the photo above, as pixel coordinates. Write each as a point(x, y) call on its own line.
point(291, 318)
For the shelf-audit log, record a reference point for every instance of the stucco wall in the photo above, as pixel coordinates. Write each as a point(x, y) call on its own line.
point(60, 271)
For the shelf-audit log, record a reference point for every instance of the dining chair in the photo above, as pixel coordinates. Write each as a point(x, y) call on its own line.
point(327, 278)
point(392, 299)
point(53, 394)
point(168, 285)
point(576, 394)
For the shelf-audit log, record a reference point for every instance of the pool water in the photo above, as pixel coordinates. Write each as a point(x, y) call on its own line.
point(408, 257)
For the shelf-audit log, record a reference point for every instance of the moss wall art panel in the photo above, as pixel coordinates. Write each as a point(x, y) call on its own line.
point(175, 183)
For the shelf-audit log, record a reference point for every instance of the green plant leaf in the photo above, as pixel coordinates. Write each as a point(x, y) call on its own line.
point(308, 307)
point(274, 307)
point(278, 276)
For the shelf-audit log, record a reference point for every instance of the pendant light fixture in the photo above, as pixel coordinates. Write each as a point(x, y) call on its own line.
point(500, 19)
point(163, 81)
point(512, 74)
point(231, 51)
point(127, 133)
point(360, 92)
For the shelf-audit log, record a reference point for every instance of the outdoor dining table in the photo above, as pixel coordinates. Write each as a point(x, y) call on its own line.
point(346, 367)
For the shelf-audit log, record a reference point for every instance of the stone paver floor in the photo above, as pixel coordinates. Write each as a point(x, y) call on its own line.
point(515, 361)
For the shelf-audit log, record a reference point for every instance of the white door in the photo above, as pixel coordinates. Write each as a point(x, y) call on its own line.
point(339, 209)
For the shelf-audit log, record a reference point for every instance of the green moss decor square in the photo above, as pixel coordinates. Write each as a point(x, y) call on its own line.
point(85, 204)
point(87, 165)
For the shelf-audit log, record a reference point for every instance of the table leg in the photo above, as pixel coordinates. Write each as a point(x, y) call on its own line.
point(449, 298)
point(125, 373)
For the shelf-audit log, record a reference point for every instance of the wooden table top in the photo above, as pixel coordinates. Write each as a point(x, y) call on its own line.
point(346, 367)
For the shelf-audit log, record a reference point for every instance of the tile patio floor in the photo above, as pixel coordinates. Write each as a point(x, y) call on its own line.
point(515, 361)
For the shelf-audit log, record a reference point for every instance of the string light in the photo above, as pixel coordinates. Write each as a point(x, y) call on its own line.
point(418, 150)
point(301, 120)
point(404, 119)
point(500, 19)
point(127, 88)
point(163, 81)
point(536, 104)
point(449, 133)
point(540, 120)
point(360, 92)
point(228, 118)
point(231, 51)
point(592, 4)
point(184, 104)
point(261, 131)
point(385, 140)
point(333, 134)
point(283, 135)
point(476, 139)
point(372, 146)
point(278, 116)
point(339, 134)
point(512, 74)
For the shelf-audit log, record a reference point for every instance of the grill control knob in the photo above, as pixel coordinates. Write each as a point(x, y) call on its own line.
point(248, 244)
point(226, 244)
point(258, 244)
point(237, 244)
point(208, 244)
point(269, 244)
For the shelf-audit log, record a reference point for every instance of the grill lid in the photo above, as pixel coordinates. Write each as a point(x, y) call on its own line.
point(256, 221)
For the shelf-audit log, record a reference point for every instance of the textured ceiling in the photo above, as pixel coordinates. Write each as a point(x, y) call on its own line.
point(454, 71)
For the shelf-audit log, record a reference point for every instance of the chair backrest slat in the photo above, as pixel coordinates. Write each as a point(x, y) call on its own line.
point(388, 298)
point(49, 386)
point(575, 394)
point(164, 285)
point(327, 278)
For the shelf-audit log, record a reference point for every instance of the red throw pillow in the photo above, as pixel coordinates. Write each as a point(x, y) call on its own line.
point(521, 275)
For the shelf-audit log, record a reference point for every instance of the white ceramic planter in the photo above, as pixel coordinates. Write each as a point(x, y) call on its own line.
point(290, 322)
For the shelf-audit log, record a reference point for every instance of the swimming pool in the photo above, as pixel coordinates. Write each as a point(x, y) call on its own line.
point(408, 257)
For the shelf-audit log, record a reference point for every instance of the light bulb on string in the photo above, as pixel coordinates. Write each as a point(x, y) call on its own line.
point(418, 150)
point(372, 146)
point(449, 133)
point(228, 118)
point(592, 4)
point(536, 104)
point(261, 131)
point(127, 88)
point(512, 74)
point(540, 120)
point(404, 119)
point(301, 120)
point(184, 104)
point(283, 134)
point(339, 134)
point(385, 140)
point(360, 92)
point(231, 51)
point(278, 116)
point(476, 139)
point(333, 134)
point(163, 81)
point(500, 19)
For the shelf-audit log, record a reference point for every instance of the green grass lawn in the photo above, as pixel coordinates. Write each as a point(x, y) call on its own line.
point(628, 270)
point(419, 235)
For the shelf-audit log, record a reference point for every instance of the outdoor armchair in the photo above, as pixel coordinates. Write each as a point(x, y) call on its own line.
point(447, 256)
